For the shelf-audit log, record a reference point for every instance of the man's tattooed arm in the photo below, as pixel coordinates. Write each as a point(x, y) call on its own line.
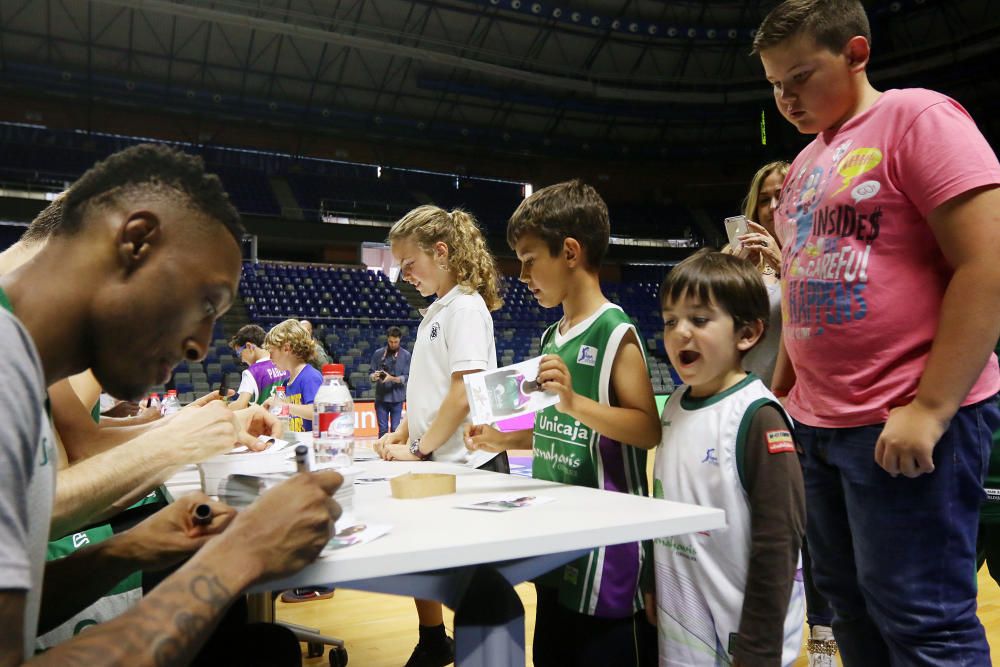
point(277, 536)
point(166, 628)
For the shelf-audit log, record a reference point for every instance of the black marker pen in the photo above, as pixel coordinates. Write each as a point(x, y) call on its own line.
point(302, 458)
point(201, 515)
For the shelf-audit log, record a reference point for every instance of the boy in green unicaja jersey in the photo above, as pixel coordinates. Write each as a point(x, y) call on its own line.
point(590, 611)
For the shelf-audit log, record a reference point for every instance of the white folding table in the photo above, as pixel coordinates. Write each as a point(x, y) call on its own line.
point(470, 560)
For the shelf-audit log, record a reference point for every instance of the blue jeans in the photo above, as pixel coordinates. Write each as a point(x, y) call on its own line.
point(818, 610)
point(386, 412)
point(896, 557)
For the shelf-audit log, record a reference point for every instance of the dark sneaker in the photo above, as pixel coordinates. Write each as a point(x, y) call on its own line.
point(433, 656)
point(308, 594)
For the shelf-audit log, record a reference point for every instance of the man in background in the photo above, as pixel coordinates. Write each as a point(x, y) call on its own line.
point(390, 368)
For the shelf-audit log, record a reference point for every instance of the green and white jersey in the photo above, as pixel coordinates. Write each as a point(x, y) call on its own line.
point(605, 582)
point(125, 595)
point(701, 577)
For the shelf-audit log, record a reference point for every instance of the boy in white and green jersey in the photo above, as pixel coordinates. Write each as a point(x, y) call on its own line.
point(590, 611)
point(728, 596)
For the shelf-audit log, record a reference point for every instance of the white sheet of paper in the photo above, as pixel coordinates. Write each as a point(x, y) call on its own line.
point(277, 444)
point(506, 392)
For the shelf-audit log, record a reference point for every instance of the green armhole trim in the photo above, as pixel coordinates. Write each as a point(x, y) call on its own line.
point(547, 334)
point(741, 434)
point(641, 343)
point(5, 302)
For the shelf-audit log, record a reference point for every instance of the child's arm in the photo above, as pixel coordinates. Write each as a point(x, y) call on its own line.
point(401, 436)
point(967, 230)
point(303, 411)
point(490, 439)
point(454, 409)
point(633, 420)
point(294, 409)
point(773, 480)
point(241, 401)
point(245, 392)
point(309, 387)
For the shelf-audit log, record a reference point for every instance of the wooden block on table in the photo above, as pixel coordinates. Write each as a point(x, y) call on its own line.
point(422, 485)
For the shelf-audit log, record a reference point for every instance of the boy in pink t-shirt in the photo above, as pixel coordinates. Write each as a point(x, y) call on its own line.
point(890, 237)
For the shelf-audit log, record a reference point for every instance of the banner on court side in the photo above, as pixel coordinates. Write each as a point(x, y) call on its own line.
point(365, 423)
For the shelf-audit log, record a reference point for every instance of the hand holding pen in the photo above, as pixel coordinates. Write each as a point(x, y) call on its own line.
point(176, 531)
point(204, 515)
point(201, 515)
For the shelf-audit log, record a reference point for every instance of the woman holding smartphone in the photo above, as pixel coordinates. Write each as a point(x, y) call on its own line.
point(758, 245)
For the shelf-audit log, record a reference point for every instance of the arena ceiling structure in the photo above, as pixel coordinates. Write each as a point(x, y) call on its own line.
point(645, 78)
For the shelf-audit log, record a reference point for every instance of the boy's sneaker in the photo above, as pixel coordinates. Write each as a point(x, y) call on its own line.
point(822, 647)
point(433, 656)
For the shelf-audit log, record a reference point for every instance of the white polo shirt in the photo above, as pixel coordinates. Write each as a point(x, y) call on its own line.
point(455, 335)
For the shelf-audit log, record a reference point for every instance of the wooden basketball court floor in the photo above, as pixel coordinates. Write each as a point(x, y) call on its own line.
point(381, 630)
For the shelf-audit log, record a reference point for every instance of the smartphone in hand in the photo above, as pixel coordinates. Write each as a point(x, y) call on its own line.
point(736, 226)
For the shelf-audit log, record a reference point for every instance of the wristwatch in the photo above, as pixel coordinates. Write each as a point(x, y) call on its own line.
point(415, 450)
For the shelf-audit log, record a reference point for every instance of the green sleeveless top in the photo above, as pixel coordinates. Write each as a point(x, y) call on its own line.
point(605, 582)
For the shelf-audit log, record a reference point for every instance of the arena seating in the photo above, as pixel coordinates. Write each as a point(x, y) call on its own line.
point(37, 158)
point(192, 379)
point(351, 308)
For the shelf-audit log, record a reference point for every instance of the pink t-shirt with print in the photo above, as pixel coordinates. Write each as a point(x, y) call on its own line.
point(863, 276)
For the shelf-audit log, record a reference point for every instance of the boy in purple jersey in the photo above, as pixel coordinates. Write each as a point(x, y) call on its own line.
point(261, 376)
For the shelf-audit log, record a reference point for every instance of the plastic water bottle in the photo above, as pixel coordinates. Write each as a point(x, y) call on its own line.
point(154, 401)
point(280, 409)
point(170, 404)
point(333, 421)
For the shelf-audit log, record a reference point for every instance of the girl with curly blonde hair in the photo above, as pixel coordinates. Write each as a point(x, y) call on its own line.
point(291, 349)
point(455, 242)
point(443, 254)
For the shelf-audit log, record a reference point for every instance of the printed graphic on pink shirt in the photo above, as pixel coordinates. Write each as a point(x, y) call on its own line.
point(828, 269)
point(863, 274)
